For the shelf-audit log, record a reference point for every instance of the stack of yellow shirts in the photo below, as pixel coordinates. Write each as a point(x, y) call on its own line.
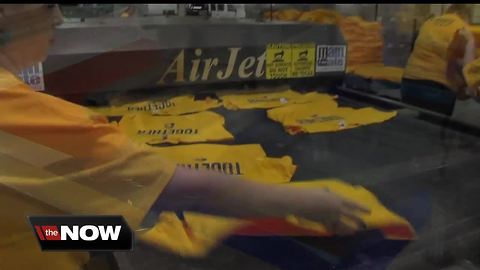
point(173, 106)
point(265, 100)
point(377, 72)
point(191, 128)
point(325, 117)
point(364, 39)
point(322, 16)
point(198, 234)
point(248, 160)
point(283, 15)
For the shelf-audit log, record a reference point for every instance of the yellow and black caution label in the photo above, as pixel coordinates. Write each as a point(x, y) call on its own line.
point(279, 61)
point(303, 60)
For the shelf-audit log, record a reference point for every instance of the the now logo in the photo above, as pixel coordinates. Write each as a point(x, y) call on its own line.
point(82, 232)
point(86, 232)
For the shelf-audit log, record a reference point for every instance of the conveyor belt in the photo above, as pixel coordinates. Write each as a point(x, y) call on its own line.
point(422, 170)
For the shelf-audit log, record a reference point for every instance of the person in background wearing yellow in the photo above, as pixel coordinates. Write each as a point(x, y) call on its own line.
point(117, 171)
point(433, 77)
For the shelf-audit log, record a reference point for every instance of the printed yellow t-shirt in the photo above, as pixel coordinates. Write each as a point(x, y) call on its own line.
point(198, 234)
point(428, 60)
point(324, 117)
point(267, 100)
point(173, 106)
point(191, 128)
point(42, 131)
point(248, 161)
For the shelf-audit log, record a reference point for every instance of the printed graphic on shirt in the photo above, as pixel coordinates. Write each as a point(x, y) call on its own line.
point(322, 119)
point(269, 99)
point(230, 168)
point(191, 128)
point(248, 161)
point(174, 106)
point(325, 117)
point(331, 58)
point(279, 61)
point(303, 60)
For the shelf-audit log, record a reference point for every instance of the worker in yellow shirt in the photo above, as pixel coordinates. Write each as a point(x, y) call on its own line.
point(105, 172)
point(433, 77)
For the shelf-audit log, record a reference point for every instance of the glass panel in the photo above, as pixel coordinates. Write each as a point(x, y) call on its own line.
point(245, 136)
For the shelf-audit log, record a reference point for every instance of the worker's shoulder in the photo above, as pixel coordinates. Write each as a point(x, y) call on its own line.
point(447, 20)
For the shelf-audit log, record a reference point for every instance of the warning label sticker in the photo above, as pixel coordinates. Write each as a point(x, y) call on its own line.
point(303, 60)
point(33, 76)
point(279, 61)
point(331, 58)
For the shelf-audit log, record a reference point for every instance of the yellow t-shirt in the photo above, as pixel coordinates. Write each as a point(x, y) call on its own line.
point(173, 106)
point(283, 15)
point(428, 60)
point(378, 72)
point(248, 161)
point(200, 233)
point(42, 131)
point(324, 117)
point(267, 100)
point(323, 16)
point(191, 128)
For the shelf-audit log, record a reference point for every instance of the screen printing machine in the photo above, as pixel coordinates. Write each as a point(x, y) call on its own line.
point(420, 165)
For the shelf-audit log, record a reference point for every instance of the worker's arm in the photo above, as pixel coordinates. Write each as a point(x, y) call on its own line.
point(472, 76)
point(469, 55)
point(217, 193)
point(460, 52)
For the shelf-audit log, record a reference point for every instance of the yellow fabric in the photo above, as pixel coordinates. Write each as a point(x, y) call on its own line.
point(364, 40)
point(471, 73)
point(249, 161)
point(428, 60)
point(322, 16)
point(325, 117)
point(200, 233)
point(378, 72)
point(265, 100)
point(55, 123)
point(105, 173)
point(196, 239)
point(283, 15)
point(173, 106)
point(380, 216)
point(127, 186)
point(191, 128)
